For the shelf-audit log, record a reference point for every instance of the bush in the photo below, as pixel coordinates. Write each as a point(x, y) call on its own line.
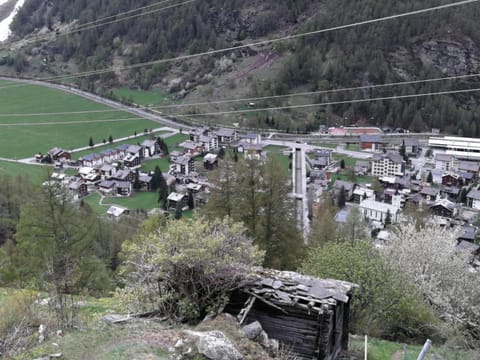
point(386, 304)
point(185, 269)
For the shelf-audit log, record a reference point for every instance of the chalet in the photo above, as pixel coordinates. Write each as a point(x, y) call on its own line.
point(176, 199)
point(402, 182)
point(79, 188)
point(362, 193)
point(209, 143)
point(378, 211)
point(346, 185)
point(444, 162)
point(319, 163)
point(124, 175)
point(149, 148)
point(472, 248)
point(134, 151)
point(468, 233)
point(473, 199)
point(92, 160)
point(412, 146)
point(192, 148)
point(450, 179)
point(210, 161)
point(466, 177)
point(145, 181)
point(394, 197)
point(107, 171)
point(469, 167)
point(194, 188)
point(226, 136)
point(430, 194)
point(414, 199)
point(362, 167)
point(196, 133)
point(307, 315)
point(371, 142)
point(107, 187)
point(184, 165)
point(88, 173)
point(132, 161)
point(450, 192)
point(58, 154)
point(123, 188)
point(389, 164)
point(122, 150)
point(444, 208)
point(108, 155)
point(116, 211)
point(251, 138)
point(251, 151)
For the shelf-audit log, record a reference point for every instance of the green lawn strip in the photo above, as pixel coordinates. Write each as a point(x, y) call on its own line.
point(325, 145)
point(35, 173)
point(146, 98)
point(132, 141)
point(93, 201)
point(276, 149)
point(349, 161)
point(357, 179)
point(141, 200)
point(149, 165)
point(173, 141)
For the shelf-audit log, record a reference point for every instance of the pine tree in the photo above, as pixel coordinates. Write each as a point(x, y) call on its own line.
point(110, 139)
point(191, 201)
point(90, 142)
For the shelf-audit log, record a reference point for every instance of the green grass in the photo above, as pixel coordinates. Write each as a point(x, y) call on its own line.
point(146, 98)
point(326, 145)
point(276, 152)
point(358, 179)
point(26, 140)
point(35, 173)
point(141, 200)
point(93, 201)
point(149, 165)
point(173, 141)
point(349, 161)
point(385, 350)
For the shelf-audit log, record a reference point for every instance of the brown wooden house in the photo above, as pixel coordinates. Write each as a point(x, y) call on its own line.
point(306, 314)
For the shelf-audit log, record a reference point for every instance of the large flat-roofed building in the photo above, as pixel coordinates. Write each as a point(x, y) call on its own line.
point(460, 147)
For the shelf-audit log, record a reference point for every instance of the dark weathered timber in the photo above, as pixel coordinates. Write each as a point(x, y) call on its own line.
point(306, 314)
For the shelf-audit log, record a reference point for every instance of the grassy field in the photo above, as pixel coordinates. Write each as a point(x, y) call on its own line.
point(36, 174)
point(24, 135)
point(146, 98)
point(141, 200)
point(149, 165)
point(276, 152)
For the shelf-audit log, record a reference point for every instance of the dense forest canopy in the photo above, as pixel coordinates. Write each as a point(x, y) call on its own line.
point(437, 44)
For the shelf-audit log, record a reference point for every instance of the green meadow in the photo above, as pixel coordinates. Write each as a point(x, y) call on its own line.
point(24, 135)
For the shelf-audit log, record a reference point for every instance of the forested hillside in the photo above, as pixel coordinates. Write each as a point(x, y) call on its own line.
point(437, 44)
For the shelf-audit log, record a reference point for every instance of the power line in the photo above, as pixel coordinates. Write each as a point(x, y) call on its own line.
point(331, 91)
point(82, 27)
point(258, 43)
point(395, 97)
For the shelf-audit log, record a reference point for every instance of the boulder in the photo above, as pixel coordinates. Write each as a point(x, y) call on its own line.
point(252, 330)
point(214, 345)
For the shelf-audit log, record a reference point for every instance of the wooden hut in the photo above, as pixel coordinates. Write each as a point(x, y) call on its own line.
point(306, 314)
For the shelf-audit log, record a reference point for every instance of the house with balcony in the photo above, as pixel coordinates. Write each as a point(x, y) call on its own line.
point(389, 164)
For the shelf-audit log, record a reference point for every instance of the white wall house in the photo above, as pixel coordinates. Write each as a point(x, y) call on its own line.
point(377, 211)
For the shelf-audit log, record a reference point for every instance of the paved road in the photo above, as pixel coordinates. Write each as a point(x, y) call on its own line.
point(98, 99)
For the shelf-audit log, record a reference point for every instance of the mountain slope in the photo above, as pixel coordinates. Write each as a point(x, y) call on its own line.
point(437, 44)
